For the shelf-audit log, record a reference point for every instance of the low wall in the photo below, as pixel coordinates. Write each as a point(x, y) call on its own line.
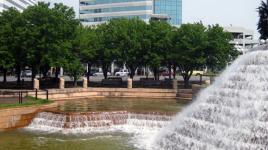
point(197, 88)
point(76, 93)
point(12, 118)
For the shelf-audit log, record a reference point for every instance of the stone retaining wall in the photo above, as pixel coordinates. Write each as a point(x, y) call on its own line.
point(12, 118)
point(75, 93)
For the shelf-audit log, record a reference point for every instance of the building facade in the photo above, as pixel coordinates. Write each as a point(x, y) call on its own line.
point(98, 11)
point(243, 39)
point(171, 8)
point(18, 4)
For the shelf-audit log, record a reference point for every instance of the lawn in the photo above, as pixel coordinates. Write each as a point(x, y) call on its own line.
point(30, 101)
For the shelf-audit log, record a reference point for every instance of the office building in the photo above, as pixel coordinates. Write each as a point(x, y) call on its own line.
point(18, 4)
point(98, 11)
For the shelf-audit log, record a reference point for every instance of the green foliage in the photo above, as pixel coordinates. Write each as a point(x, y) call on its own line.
point(107, 45)
point(190, 42)
point(219, 52)
point(74, 69)
point(42, 37)
point(263, 20)
point(12, 39)
point(159, 36)
point(50, 31)
point(132, 42)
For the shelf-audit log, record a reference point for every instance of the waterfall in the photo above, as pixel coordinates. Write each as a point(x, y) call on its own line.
point(90, 122)
point(231, 114)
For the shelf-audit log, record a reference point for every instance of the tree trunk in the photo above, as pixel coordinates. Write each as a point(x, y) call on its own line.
point(105, 70)
point(156, 74)
point(18, 72)
point(5, 76)
point(186, 83)
point(57, 72)
point(174, 71)
point(88, 71)
point(186, 78)
point(34, 72)
point(169, 71)
point(132, 72)
point(75, 82)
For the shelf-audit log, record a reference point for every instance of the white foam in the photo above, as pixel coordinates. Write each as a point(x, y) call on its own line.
point(143, 127)
point(231, 114)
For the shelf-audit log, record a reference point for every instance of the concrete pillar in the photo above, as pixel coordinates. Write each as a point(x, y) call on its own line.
point(129, 83)
point(175, 85)
point(61, 84)
point(84, 82)
point(207, 82)
point(36, 84)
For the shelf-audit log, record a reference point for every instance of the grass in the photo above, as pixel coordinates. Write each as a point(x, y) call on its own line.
point(31, 101)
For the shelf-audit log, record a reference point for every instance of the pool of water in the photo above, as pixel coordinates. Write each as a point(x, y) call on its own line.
point(100, 124)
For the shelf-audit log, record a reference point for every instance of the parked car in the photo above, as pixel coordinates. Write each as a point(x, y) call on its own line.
point(166, 73)
point(101, 74)
point(197, 73)
point(122, 73)
point(26, 73)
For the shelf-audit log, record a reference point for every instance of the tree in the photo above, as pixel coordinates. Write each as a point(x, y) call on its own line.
point(133, 42)
point(190, 42)
point(219, 51)
point(263, 20)
point(159, 37)
point(6, 61)
point(12, 40)
point(6, 57)
point(107, 45)
point(74, 69)
point(84, 45)
point(51, 31)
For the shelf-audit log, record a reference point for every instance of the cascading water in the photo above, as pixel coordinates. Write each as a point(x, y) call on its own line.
point(231, 114)
point(143, 126)
point(97, 121)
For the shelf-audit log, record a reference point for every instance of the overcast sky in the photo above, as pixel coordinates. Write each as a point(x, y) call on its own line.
point(224, 12)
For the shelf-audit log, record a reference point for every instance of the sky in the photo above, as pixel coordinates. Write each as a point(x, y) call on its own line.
point(224, 12)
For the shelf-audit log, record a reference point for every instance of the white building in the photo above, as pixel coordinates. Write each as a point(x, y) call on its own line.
point(243, 38)
point(18, 4)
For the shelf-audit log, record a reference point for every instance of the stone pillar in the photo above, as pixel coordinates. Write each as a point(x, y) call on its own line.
point(61, 84)
point(207, 82)
point(175, 85)
point(129, 83)
point(36, 84)
point(85, 83)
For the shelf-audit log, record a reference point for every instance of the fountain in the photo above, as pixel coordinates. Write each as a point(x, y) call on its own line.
point(231, 114)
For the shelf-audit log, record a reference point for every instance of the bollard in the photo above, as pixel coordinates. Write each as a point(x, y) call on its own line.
point(85, 83)
point(61, 84)
point(175, 85)
point(36, 84)
point(36, 90)
point(129, 83)
point(207, 82)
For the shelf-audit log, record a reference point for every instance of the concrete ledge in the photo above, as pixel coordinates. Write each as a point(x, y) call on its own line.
point(75, 93)
point(12, 118)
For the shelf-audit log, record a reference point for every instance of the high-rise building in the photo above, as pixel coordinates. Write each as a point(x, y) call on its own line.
point(97, 11)
point(170, 8)
point(18, 4)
